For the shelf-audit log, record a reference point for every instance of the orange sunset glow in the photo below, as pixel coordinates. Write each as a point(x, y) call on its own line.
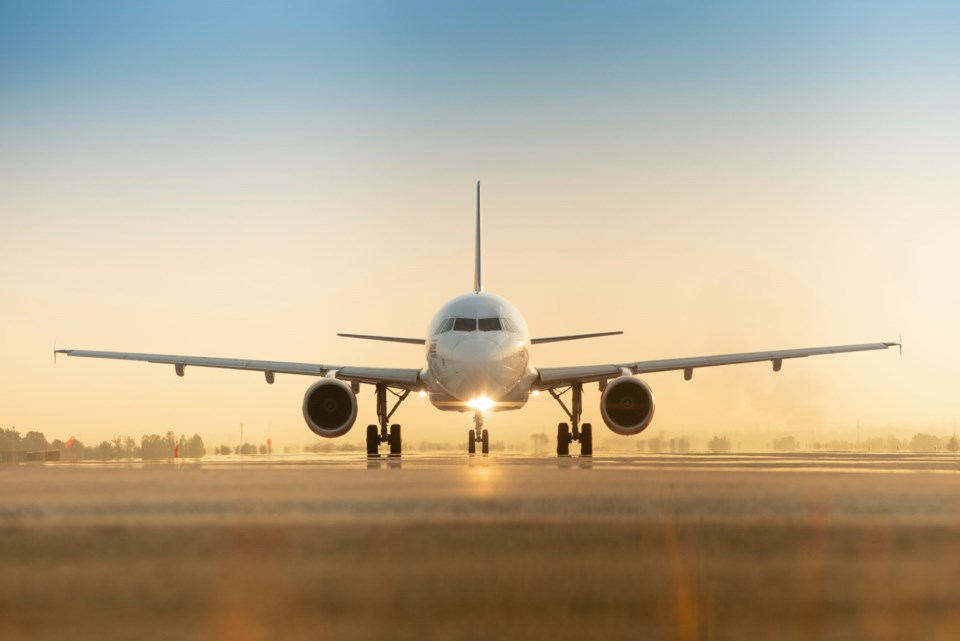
point(252, 203)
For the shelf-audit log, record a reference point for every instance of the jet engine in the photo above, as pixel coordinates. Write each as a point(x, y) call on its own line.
point(330, 408)
point(627, 405)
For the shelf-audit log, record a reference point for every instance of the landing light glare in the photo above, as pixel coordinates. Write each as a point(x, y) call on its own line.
point(483, 403)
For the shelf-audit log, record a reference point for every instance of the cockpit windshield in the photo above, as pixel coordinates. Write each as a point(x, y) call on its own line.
point(465, 325)
point(445, 326)
point(489, 324)
point(474, 324)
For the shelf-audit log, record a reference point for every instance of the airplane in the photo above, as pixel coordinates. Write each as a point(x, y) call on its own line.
point(478, 360)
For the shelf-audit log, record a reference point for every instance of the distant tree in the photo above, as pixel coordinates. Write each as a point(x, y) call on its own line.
point(194, 447)
point(719, 445)
point(153, 448)
point(103, 452)
point(654, 445)
point(680, 445)
point(9, 440)
point(125, 447)
point(326, 446)
point(888, 444)
point(641, 446)
point(76, 451)
point(263, 449)
point(836, 446)
point(540, 442)
point(247, 449)
point(953, 445)
point(924, 443)
point(785, 444)
point(34, 441)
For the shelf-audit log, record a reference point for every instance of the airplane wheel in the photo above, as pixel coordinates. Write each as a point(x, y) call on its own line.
point(563, 439)
point(471, 443)
point(586, 440)
point(485, 442)
point(395, 447)
point(373, 441)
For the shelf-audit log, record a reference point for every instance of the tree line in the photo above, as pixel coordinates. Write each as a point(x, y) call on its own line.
point(151, 447)
point(920, 442)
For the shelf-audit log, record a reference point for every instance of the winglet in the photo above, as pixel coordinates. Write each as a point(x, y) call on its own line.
point(898, 344)
point(477, 275)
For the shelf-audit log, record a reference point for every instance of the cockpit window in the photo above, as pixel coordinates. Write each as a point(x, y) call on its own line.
point(465, 325)
point(509, 325)
point(489, 324)
point(445, 326)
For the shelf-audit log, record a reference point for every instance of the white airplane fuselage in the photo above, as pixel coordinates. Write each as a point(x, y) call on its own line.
point(478, 355)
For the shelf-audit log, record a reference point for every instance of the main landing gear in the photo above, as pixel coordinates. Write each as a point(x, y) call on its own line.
point(478, 435)
point(573, 431)
point(377, 435)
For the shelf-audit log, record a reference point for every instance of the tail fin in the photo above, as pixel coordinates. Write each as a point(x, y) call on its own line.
point(477, 273)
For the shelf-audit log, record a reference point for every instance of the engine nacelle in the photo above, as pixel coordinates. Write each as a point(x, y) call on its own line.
point(627, 405)
point(330, 408)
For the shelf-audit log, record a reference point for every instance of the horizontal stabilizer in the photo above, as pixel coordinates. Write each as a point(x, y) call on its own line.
point(388, 339)
point(572, 337)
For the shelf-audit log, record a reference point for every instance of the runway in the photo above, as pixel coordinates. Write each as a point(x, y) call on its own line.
point(831, 546)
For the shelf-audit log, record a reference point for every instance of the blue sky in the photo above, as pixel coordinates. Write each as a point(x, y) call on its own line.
point(441, 64)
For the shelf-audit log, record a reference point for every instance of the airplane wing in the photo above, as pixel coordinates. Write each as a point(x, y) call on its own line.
point(572, 337)
point(550, 377)
point(394, 377)
point(388, 339)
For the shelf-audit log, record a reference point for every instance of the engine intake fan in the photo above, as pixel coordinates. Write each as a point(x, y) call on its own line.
point(627, 405)
point(330, 408)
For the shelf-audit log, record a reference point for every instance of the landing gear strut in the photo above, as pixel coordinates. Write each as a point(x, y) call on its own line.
point(377, 435)
point(565, 434)
point(478, 435)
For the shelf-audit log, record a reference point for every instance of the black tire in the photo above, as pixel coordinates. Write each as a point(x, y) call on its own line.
point(395, 442)
point(484, 442)
point(563, 439)
point(373, 440)
point(471, 443)
point(586, 440)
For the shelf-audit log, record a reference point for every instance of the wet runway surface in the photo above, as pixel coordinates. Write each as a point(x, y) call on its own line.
point(796, 546)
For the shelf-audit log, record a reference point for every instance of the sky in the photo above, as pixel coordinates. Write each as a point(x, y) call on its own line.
point(245, 179)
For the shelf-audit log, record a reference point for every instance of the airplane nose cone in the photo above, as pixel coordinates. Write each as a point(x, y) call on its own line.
point(477, 350)
point(476, 368)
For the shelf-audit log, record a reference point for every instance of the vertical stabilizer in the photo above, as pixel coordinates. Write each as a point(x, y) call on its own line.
point(477, 274)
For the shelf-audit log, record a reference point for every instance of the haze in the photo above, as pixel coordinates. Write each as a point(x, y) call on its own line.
point(246, 182)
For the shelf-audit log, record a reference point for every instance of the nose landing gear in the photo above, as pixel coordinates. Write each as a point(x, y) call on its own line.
point(478, 435)
point(565, 434)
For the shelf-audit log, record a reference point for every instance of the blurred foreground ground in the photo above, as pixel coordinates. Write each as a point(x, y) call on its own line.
point(806, 546)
